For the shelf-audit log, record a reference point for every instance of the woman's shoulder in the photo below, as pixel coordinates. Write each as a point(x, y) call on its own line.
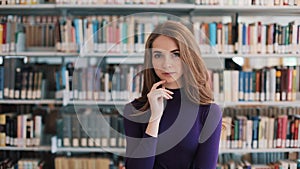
point(212, 109)
point(132, 112)
point(212, 106)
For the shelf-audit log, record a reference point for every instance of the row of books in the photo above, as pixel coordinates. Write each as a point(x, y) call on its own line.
point(89, 128)
point(19, 33)
point(250, 127)
point(89, 34)
point(124, 82)
point(156, 2)
point(40, 81)
point(115, 2)
point(86, 163)
point(255, 158)
point(267, 84)
point(115, 82)
point(81, 2)
point(22, 164)
point(27, 81)
point(248, 38)
point(103, 34)
point(23, 130)
point(281, 164)
point(25, 2)
point(249, 2)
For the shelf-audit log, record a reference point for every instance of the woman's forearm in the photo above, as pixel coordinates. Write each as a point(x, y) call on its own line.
point(152, 128)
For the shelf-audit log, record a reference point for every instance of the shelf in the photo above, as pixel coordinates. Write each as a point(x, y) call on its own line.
point(38, 9)
point(111, 54)
point(96, 102)
point(90, 150)
point(83, 9)
point(173, 6)
point(123, 102)
point(40, 148)
point(176, 8)
point(265, 103)
point(271, 150)
point(7, 101)
point(260, 56)
point(62, 54)
point(138, 56)
point(40, 54)
point(221, 151)
point(34, 7)
point(247, 10)
point(223, 104)
point(122, 150)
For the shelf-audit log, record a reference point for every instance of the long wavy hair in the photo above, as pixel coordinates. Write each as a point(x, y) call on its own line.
point(195, 80)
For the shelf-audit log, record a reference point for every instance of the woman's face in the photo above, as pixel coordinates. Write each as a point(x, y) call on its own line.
point(166, 61)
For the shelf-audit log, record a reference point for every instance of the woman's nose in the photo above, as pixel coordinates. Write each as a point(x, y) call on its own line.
point(167, 61)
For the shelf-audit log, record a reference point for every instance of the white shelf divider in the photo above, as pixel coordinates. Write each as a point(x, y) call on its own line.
point(266, 103)
point(138, 56)
point(221, 151)
point(90, 149)
point(97, 102)
point(173, 6)
point(270, 150)
point(39, 148)
point(49, 101)
point(222, 104)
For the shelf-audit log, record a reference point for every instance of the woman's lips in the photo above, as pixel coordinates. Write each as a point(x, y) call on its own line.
point(168, 73)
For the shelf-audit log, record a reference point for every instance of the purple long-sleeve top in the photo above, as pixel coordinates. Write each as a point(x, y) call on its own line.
point(188, 136)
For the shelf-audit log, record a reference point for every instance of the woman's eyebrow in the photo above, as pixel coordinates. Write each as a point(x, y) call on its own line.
point(175, 50)
point(156, 51)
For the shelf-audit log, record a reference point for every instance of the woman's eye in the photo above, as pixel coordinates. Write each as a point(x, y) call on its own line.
point(176, 54)
point(157, 55)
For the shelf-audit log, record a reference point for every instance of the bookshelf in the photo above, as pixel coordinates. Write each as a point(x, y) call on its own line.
point(89, 150)
point(247, 10)
point(187, 10)
point(178, 9)
point(138, 56)
point(44, 101)
point(270, 150)
point(104, 103)
point(222, 104)
point(173, 8)
point(35, 149)
point(262, 103)
point(221, 151)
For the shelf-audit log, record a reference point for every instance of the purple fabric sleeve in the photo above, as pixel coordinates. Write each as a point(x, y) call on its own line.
point(208, 147)
point(140, 150)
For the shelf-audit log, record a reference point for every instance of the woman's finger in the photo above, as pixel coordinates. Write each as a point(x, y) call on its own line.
point(155, 85)
point(166, 90)
point(167, 96)
point(161, 93)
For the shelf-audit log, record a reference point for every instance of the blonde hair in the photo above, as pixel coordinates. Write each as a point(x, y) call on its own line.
point(195, 78)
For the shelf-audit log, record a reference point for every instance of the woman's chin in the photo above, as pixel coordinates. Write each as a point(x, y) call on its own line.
point(168, 81)
point(171, 84)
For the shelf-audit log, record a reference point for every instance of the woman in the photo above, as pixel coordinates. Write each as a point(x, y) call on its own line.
point(174, 124)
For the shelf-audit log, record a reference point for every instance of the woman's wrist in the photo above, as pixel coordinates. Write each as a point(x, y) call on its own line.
point(152, 128)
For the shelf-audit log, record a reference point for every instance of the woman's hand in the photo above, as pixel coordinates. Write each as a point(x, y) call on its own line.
point(156, 98)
